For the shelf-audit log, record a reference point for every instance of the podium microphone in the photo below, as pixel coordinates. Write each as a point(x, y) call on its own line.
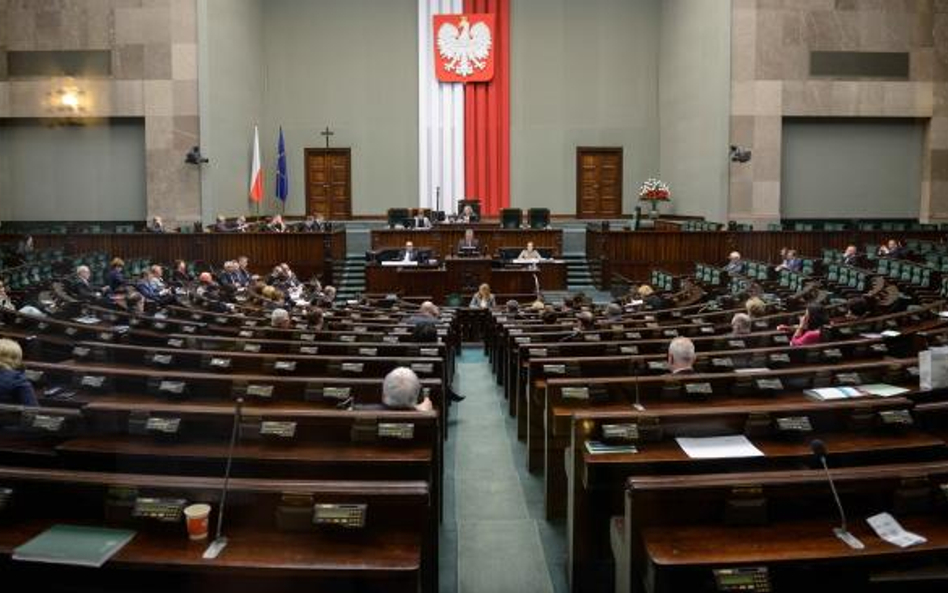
point(819, 449)
point(220, 542)
point(536, 285)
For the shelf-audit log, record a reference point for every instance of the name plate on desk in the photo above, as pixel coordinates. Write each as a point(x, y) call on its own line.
point(538, 352)
point(620, 432)
point(779, 358)
point(176, 343)
point(92, 381)
point(334, 393)
point(245, 334)
point(159, 325)
point(515, 331)
point(349, 516)
point(879, 348)
point(278, 429)
point(71, 331)
point(554, 369)
point(396, 430)
point(43, 422)
point(522, 340)
point(848, 379)
point(781, 339)
point(832, 354)
point(428, 352)
point(197, 316)
point(172, 387)
point(737, 344)
point(264, 391)
point(399, 263)
point(670, 333)
point(218, 362)
point(592, 337)
point(698, 389)
point(657, 365)
point(254, 348)
point(189, 329)
point(422, 368)
point(81, 352)
point(33, 376)
point(368, 351)
point(761, 325)
point(722, 363)
point(578, 393)
point(390, 339)
point(629, 350)
point(285, 366)
point(360, 329)
point(896, 418)
point(794, 424)
point(308, 337)
point(250, 323)
point(105, 336)
point(163, 510)
point(164, 426)
point(707, 329)
point(348, 338)
point(633, 336)
point(352, 367)
point(309, 350)
point(769, 384)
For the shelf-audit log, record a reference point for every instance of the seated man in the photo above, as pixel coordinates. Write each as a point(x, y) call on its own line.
point(613, 312)
point(243, 271)
point(791, 262)
point(79, 285)
point(408, 254)
point(276, 224)
point(681, 356)
point(280, 319)
point(530, 253)
point(851, 256)
point(309, 225)
point(734, 263)
point(892, 249)
point(221, 226)
point(420, 221)
point(468, 244)
point(741, 324)
point(400, 390)
point(156, 225)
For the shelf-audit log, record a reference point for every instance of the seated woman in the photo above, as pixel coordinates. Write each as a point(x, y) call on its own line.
point(15, 388)
point(810, 329)
point(482, 299)
point(530, 253)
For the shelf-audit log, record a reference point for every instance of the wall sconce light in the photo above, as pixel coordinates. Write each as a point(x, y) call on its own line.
point(67, 100)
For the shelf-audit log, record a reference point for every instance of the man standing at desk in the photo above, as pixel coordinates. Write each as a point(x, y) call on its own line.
point(530, 254)
point(408, 254)
point(469, 245)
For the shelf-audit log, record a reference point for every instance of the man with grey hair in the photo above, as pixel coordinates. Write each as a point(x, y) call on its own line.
point(681, 356)
point(613, 312)
point(741, 324)
point(400, 390)
point(280, 319)
point(734, 263)
point(79, 285)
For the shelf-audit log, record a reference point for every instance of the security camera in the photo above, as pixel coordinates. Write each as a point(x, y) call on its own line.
point(194, 157)
point(740, 154)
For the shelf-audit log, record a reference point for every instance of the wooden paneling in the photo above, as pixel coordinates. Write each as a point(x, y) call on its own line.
point(598, 182)
point(308, 253)
point(444, 239)
point(329, 182)
point(634, 254)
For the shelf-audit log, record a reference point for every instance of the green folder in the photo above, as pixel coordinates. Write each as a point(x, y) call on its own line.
point(74, 545)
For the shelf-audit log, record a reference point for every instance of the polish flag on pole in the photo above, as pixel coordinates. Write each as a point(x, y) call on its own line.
point(256, 175)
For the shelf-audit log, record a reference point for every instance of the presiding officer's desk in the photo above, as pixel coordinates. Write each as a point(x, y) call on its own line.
point(462, 275)
point(444, 238)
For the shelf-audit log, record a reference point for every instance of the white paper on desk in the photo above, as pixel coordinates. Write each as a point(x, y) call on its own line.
point(399, 262)
point(718, 447)
point(882, 389)
point(886, 527)
point(752, 370)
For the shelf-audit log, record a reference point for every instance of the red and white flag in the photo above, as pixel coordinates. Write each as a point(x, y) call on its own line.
point(256, 174)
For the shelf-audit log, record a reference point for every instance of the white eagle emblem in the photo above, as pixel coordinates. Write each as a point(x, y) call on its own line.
point(464, 50)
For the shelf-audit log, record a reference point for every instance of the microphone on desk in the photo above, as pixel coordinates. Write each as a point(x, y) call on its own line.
point(819, 449)
point(220, 542)
point(536, 284)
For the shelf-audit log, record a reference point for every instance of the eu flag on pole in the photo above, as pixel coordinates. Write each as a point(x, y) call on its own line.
point(282, 181)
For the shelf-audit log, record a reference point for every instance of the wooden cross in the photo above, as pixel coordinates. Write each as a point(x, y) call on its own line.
point(327, 133)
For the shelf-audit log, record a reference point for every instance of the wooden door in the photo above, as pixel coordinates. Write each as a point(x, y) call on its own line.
point(329, 182)
point(598, 182)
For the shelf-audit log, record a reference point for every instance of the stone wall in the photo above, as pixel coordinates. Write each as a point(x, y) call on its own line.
point(154, 76)
point(771, 41)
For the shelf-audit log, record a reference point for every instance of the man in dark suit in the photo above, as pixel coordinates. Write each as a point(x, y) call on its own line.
point(408, 254)
point(850, 256)
point(468, 243)
point(243, 270)
point(420, 221)
point(80, 287)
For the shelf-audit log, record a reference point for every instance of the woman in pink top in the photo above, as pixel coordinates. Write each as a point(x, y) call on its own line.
point(810, 329)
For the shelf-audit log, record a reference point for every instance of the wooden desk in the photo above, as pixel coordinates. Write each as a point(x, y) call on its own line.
point(443, 239)
point(462, 276)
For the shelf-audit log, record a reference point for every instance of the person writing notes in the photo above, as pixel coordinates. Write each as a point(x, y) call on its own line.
point(408, 254)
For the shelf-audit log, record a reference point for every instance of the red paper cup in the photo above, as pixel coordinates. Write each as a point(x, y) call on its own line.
point(196, 516)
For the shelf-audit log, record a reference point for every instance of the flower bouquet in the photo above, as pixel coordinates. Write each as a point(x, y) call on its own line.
point(654, 191)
